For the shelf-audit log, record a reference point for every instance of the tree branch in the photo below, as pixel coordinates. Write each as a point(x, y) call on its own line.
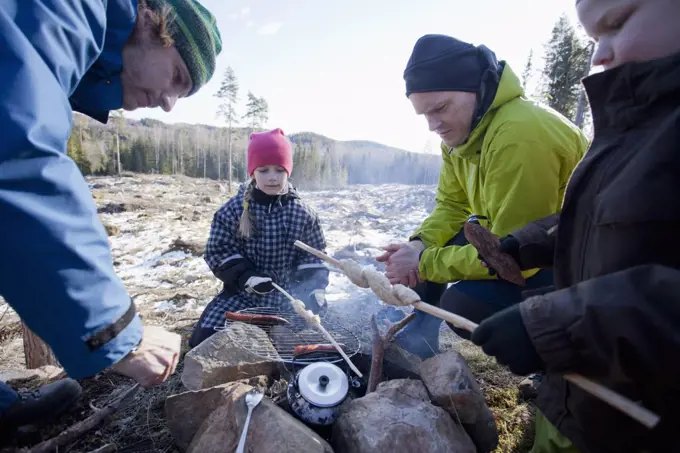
point(82, 427)
point(379, 346)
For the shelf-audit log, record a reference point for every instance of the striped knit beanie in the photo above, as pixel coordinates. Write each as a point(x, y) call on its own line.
point(196, 37)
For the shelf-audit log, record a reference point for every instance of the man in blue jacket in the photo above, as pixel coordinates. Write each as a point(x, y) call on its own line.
point(56, 270)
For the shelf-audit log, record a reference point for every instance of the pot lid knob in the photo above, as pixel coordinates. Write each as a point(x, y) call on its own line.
point(323, 384)
point(323, 381)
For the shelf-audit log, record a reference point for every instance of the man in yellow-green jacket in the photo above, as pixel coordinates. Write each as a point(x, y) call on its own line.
point(506, 162)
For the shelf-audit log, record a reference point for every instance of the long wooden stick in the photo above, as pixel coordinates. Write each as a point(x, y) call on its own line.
point(616, 400)
point(319, 254)
point(452, 318)
point(325, 333)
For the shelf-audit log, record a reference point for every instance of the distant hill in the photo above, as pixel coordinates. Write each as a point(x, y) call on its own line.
point(150, 145)
point(369, 162)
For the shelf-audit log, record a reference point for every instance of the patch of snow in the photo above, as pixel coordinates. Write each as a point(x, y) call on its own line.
point(357, 221)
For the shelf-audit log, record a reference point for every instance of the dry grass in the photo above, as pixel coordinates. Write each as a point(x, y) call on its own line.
point(514, 417)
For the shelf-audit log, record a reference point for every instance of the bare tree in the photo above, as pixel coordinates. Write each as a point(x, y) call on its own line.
point(119, 119)
point(228, 95)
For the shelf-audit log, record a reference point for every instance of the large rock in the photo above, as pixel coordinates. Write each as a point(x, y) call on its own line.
point(220, 359)
point(453, 387)
point(398, 417)
point(186, 412)
point(220, 414)
point(398, 363)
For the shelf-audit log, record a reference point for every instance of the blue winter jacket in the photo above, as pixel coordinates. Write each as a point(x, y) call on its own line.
point(55, 264)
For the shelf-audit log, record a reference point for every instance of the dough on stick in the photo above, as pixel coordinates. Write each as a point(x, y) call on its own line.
point(381, 286)
point(307, 315)
point(370, 278)
point(355, 272)
point(405, 294)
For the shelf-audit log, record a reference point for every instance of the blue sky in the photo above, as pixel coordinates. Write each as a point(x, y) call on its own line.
point(335, 68)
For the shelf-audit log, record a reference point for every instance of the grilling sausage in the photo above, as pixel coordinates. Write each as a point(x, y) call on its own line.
point(307, 348)
point(269, 320)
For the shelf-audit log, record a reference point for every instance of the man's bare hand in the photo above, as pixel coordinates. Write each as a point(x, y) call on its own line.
point(391, 249)
point(154, 360)
point(402, 262)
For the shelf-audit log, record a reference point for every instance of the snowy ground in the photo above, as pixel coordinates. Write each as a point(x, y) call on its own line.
point(356, 220)
point(150, 212)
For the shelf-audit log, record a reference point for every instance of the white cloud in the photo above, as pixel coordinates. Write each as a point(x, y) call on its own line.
point(250, 23)
point(270, 29)
point(243, 13)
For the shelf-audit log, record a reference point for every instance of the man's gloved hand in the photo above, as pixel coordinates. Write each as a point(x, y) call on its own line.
point(509, 245)
point(259, 285)
point(504, 336)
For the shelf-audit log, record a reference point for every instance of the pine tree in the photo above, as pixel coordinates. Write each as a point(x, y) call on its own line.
point(263, 111)
point(581, 110)
point(74, 149)
point(565, 63)
point(257, 113)
point(252, 114)
point(528, 70)
point(228, 94)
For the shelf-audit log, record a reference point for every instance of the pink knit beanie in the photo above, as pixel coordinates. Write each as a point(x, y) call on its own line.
point(269, 148)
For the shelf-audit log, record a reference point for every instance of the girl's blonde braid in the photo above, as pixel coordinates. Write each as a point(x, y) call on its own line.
point(247, 222)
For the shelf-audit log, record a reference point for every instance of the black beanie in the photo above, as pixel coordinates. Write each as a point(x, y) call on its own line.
point(443, 63)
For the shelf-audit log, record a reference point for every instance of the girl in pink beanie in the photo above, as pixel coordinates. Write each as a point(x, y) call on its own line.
point(252, 237)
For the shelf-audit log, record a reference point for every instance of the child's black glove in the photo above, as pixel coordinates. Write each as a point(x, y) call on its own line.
point(504, 336)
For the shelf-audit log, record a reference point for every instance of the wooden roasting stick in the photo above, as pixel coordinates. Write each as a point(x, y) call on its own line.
point(616, 400)
point(316, 322)
point(447, 316)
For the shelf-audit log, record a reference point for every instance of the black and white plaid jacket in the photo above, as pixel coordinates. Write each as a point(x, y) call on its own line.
point(270, 252)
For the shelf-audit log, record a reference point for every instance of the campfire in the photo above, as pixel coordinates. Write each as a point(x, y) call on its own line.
point(313, 399)
point(339, 395)
point(317, 376)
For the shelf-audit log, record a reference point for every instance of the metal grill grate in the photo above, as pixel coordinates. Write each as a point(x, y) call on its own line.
point(298, 333)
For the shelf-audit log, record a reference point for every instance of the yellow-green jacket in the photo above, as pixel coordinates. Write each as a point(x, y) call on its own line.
point(513, 170)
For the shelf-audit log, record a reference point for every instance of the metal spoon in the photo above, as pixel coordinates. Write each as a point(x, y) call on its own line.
point(253, 398)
